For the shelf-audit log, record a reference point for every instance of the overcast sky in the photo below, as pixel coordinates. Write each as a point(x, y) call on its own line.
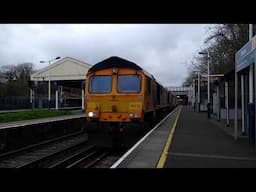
point(164, 50)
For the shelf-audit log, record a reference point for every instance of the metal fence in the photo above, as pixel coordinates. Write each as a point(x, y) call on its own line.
point(22, 102)
point(14, 102)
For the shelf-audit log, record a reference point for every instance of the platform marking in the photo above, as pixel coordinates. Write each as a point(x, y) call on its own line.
point(164, 154)
point(116, 164)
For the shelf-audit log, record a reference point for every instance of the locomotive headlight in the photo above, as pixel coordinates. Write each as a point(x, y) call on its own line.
point(133, 115)
point(92, 114)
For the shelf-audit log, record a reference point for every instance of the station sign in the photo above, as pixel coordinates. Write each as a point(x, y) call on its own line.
point(212, 79)
point(246, 55)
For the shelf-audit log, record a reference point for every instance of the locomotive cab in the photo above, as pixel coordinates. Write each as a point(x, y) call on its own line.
point(114, 95)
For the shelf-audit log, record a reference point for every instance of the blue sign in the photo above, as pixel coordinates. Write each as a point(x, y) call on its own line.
point(246, 55)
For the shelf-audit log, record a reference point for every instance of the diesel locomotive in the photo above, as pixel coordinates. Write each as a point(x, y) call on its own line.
point(121, 97)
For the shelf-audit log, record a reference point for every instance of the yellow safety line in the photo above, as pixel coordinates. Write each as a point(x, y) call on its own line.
point(163, 157)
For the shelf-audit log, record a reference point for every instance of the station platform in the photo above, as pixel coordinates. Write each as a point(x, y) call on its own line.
point(187, 139)
point(19, 110)
point(18, 134)
point(22, 123)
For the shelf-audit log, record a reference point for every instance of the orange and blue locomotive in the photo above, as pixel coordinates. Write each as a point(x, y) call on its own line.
point(121, 97)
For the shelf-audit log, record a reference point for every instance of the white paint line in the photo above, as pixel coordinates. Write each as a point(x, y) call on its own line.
point(140, 141)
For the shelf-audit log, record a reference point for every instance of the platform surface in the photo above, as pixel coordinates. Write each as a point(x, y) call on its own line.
point(199, 142)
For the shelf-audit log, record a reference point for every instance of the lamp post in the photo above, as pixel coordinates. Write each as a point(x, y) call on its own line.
point(49, 81)
point(198, 90)
point(50, 60)
point(208, 66)
point(193, 95)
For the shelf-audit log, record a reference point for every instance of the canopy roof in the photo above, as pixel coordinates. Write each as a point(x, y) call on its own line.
point(65, 69)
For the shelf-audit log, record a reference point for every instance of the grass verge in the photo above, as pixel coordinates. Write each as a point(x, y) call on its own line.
point(33, 114)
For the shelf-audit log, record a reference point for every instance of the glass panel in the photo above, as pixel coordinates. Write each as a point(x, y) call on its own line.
point(100, 84)
point(129, 83)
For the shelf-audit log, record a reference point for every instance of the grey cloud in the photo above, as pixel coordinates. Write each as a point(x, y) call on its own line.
point(160, 49)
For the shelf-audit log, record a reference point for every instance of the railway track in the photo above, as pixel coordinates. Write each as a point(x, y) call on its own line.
point(69, 151)
point(86, 158)
point(77, 156)
point(27, 155)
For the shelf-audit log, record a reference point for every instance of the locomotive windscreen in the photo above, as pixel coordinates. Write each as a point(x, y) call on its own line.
point(129, 83)
point(100, 84)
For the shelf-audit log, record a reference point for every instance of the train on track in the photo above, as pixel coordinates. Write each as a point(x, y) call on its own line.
point(121, 98)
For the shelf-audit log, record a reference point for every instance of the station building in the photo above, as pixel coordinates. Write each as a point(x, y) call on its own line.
point(59, 85)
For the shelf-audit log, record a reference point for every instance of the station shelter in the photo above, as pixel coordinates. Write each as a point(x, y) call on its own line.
point(59, 85)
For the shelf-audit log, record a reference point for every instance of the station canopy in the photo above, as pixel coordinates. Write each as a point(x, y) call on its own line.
point(68, 70)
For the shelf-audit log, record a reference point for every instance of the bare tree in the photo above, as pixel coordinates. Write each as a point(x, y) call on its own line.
point(17, 77)
point(9, 72)
point(24, 71)
point(223, 42)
